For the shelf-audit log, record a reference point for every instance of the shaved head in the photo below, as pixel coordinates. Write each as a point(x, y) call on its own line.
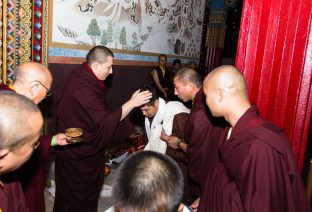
point(148, 181)
point(229, 78)
point(31, 71)
point(32, 80)
point(226, 93)
point(99, 54)
point(16, 115)
point(186, 75)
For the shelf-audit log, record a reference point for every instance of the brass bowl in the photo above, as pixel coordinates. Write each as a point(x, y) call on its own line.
point(75, 134)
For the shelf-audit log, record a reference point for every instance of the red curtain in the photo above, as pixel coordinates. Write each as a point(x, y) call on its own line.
point(275, 55)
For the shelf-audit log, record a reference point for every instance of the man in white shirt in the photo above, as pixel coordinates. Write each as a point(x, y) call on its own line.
point(162, 120)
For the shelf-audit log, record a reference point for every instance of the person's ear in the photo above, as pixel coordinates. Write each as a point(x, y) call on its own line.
point(190, 86)
point(156, 103)
point(220, 95)
point(34, 90)
point(3, 154)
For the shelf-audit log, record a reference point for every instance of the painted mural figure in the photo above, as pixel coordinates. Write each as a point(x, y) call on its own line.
point(89, 6)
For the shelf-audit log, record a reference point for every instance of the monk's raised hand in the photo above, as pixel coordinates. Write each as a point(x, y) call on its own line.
point(139, 98)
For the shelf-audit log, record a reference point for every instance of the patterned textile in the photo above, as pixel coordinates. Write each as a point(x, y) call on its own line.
point(23, 33)
point(179, 156)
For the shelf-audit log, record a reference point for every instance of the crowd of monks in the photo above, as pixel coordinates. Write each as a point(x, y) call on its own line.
point(231, 158)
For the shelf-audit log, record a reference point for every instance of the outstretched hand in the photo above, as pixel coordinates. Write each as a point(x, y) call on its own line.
point(139, 98)
point(62, 139)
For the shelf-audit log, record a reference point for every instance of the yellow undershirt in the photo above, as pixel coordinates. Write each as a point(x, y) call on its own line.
point(163, 70)
point(11, 87)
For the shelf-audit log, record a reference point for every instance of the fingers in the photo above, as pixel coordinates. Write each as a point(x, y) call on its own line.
point(137, 91)
point(141, 98)
point(62, 136)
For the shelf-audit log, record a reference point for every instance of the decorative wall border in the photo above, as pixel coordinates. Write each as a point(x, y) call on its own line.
point(1, 41)
point(23, 34)
point(39, 30)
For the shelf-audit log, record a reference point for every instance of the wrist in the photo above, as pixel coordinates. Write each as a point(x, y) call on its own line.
point(178, 143)
point(53, 142)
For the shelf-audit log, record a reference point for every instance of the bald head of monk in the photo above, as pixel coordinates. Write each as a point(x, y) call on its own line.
point(32, 80)
point(20, 125)
point(226, 93)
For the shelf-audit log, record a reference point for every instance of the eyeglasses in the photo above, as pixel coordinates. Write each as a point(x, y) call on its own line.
point(48, 91)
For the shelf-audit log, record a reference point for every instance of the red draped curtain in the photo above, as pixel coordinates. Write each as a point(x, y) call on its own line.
point(275, 54)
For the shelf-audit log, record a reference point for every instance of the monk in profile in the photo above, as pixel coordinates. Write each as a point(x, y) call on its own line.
point(20, 125)
point(33, 80)
point(258, 171)
point(202, 131)
point(79, 169)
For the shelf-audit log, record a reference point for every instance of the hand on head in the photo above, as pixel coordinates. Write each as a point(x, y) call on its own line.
point(139, 98)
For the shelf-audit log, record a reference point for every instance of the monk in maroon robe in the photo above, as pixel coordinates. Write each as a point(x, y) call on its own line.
point(34, 80)
point(202, 131)
point(20, 125)
point(32, 172)
point(79, 168)
point(258, 171)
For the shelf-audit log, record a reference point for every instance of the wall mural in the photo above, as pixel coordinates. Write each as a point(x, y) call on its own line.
point(152, 26)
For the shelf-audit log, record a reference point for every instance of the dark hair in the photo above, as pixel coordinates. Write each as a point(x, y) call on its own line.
point(15, 110)
point(149, 182)
point(176, 61)
point(187, 74)
point(162, 55)
point(154, 94)
point(99, 54)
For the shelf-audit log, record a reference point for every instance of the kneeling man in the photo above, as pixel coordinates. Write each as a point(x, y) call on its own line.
point(163, 120)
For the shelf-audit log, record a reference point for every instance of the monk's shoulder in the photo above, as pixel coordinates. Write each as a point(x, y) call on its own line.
point(266, 137)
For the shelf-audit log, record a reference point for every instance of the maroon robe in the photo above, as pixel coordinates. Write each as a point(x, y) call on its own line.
point(5, 87)
point(202, 133)
point(258, 171)
point(32, 173)
point(79, 168)
point(11, 194)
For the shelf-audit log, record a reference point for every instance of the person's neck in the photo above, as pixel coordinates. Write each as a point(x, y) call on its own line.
point(195, 91)
point(235, 113)
point(18, 88)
